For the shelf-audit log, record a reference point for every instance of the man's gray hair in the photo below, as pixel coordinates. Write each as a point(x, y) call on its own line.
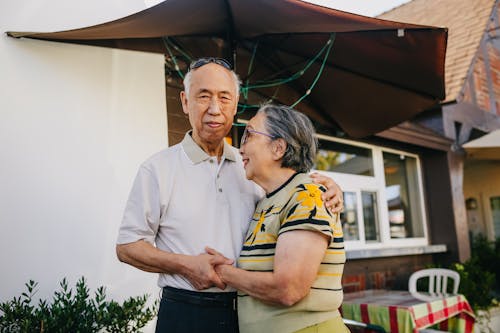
point(297, 130)
point(187, 81)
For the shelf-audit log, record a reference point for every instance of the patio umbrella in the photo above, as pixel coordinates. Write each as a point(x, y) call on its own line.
point(357, 74)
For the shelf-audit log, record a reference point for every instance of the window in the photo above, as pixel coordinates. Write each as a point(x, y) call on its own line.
point(370, 214)
point(353, 213)
point(495, 214)
point(349, 217)
point(339, 157)
point(383, 200)
point(403, 196)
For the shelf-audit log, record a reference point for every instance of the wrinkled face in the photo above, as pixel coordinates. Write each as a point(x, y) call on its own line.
point(257, 150)
point(211, 103)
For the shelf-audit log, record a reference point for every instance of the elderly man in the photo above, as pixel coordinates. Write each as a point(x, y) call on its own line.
point(190, 196)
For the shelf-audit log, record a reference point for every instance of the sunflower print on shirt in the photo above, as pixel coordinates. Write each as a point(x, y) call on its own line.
point(308, 209)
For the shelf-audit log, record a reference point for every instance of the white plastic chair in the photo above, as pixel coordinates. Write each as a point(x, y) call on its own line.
point(352, 324)
point(438, 282)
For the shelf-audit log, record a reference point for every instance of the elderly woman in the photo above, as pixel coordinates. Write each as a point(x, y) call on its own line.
point(289, 271)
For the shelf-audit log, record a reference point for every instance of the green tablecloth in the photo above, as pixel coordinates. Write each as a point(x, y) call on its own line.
point(401, 312)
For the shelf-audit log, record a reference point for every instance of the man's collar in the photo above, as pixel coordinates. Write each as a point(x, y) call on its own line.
point(197, 155)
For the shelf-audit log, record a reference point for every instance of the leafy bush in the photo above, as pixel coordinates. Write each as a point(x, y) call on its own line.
point(487, 254)
point(476, 284)
point(74, 312)
point(479, 276)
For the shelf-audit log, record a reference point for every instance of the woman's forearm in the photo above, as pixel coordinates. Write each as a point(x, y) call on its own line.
point(296, 263)
point(265, 286)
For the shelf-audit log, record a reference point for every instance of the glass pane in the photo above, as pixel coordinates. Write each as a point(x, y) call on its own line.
point(339, 157)
point(370, 215)
point(495, 212)
point(403, 196)
point(349, 217)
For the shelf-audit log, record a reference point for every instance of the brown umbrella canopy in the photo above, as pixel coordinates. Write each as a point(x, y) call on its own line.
point(344, 70)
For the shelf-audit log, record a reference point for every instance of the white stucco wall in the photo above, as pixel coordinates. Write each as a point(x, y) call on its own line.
point(75, 123)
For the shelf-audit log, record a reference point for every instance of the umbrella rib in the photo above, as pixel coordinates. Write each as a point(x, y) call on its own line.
point(354, 72)
point(325, 58)
point(318, 111)
point(230, 32)
point(294, 76)
point(382, 80)
point(295, 86)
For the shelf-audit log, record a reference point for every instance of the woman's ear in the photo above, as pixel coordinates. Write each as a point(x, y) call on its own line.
point(279, 149)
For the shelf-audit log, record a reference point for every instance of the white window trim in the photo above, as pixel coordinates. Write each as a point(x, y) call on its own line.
point(376, 183)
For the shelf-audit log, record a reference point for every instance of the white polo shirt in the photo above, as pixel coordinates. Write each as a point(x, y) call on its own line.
point(182, 199)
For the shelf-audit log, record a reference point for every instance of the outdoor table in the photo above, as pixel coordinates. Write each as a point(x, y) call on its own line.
point(400, 312)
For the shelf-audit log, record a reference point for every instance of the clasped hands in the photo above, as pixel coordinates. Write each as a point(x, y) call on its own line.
point(202, 270)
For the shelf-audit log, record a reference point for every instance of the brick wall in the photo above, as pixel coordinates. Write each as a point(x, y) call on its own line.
point(382, 273)
point(482, 86)
point(494, 57)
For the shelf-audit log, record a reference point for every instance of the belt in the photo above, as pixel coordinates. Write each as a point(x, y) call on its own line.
point(226, 300)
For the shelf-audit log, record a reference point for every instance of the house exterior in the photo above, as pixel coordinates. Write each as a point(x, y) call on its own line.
point(405, 188)
point(481, 185)
point(472, 105)
point(453, 177)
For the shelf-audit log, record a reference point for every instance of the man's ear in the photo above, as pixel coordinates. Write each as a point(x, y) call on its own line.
point(279, 148)
point(236, 108)
point(184, 102)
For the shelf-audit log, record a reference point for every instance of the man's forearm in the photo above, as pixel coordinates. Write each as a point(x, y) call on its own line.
point(146, 257)
point(199, 270)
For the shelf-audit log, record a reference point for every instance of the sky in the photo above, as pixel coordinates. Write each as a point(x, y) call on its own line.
point(362, 7)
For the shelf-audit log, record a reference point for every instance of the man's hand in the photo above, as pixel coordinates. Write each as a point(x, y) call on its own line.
point(200, 270)
point(333, 198)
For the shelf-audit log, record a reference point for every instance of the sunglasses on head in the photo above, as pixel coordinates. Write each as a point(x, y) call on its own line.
point(207, 60)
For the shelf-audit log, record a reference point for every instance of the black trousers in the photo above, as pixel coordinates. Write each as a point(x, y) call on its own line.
point(185, 311)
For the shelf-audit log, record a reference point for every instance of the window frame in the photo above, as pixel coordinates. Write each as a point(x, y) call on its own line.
point(376, 184)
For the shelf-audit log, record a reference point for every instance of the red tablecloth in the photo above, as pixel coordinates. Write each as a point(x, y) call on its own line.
point(401, 312)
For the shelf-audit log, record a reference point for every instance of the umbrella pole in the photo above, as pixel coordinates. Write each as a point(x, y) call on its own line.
point(231, 41)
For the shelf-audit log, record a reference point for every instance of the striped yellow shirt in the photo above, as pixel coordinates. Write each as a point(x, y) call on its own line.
point(296, 205)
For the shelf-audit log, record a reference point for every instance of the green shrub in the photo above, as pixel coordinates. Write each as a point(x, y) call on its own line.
point(488, 255)
point(476, 284)
point(74, 312)
point(479, 276)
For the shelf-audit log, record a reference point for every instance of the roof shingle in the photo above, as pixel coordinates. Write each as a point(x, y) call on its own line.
point(466, 21)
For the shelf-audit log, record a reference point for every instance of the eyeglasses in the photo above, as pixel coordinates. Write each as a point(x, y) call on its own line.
point(247, 132)
point(203, 61)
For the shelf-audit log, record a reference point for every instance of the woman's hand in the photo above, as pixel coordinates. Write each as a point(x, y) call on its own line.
point(220, 268)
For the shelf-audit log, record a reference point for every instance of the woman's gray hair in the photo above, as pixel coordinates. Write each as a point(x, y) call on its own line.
point(187, 81)
point(298, 132)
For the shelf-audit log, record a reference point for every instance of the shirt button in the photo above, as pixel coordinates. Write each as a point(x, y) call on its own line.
point(211, 161)
point(220, 190)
